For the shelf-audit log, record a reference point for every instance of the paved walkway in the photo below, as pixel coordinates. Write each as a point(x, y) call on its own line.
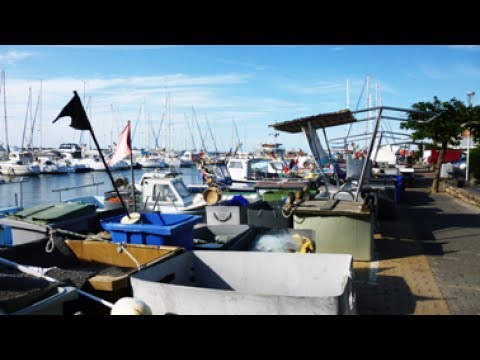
point(449, 232)
point(428, 259)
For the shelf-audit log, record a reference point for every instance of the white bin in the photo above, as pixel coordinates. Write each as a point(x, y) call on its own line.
point(240, 283)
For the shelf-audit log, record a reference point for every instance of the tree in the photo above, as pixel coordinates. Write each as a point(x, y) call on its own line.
point(475, 162)
point(444, 130)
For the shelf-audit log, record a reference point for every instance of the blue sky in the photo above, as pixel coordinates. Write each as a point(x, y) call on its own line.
point(256, 85)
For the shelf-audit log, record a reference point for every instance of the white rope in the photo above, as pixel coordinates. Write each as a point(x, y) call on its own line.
point(124, 249)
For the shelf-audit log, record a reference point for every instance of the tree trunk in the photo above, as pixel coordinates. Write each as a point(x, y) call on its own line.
point(436, 175)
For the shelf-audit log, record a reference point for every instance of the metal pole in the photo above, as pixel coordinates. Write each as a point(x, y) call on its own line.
point(469, 95)
point(378, 146)
point(106, 166)
point(326, 143)
point(131, 169)
point(21, 194)
point(7, 153)
point(468, 156)
point(361, 180)
point(108, 172)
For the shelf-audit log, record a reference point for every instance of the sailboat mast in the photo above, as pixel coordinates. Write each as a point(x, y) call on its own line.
point(191, 133)
point(211, 134)
point(113, 120)
point(199, 131)
point(169, 126)
point(238, 136)
point(90, 101)
point(34, 120)
point(348, 94)
point(367, 98)
point(40, 120)
point(26, 118)
point(5, 115)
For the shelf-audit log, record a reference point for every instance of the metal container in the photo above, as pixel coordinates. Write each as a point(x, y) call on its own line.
point(248, 283)
point(268, 214)
point(343, 228)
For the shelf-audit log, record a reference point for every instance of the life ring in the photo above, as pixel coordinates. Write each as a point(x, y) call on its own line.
point(11, 171)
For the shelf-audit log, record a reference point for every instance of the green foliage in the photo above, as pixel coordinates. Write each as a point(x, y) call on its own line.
point(446, 128)
point(474, 123)
point(475, 162)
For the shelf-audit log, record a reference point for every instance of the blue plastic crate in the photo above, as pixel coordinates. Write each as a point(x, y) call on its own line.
point(154, 228)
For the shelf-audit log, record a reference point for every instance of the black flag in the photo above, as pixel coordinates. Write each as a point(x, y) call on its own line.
point(75, 110)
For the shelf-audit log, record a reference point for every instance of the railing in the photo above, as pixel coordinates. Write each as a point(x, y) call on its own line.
point(68, 188)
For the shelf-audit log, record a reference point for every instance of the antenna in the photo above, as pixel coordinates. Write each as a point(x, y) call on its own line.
point(274, 134)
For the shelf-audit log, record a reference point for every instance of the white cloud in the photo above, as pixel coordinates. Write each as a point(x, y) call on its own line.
point(208, 94)
point(436, 73)
point(468, 70)
point(12, 56)
point(465, 47)
point(315, 88)
point(338, 48)
point(246, 64)
point(114, 47)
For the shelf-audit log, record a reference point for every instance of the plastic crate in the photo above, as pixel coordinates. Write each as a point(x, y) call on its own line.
point(154, 228)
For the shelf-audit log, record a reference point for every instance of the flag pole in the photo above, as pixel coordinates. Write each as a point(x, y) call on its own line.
point(131, 169)
point(106, 167)
point(108, 172)
point(79, 121)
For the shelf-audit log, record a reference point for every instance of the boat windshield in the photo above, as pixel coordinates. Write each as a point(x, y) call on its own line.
point(225, 171)
point(181, 189)
point(260, 165)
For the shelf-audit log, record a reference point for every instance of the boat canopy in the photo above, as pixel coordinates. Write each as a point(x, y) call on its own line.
point(317, 121)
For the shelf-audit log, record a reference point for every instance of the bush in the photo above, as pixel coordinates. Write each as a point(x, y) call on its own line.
point(475, 162)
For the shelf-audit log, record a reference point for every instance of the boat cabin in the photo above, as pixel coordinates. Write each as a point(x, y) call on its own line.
point(167, 193)
point(244, 170)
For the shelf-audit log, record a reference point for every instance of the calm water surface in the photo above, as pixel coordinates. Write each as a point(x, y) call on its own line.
point(38, 189)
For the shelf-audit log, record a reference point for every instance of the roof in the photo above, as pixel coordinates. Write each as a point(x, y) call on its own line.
point(317, 121)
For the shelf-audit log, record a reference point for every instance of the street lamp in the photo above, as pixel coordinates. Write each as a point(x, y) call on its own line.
point(469, 100)
point(469, 97)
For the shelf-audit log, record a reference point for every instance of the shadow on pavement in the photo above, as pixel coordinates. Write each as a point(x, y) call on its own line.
point(390, 295)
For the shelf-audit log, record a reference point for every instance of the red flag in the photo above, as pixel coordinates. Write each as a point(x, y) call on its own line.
point(124, 147)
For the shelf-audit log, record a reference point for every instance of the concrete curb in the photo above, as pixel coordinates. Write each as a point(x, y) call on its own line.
point(468, 195)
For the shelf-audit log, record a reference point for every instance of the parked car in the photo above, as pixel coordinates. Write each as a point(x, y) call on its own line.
point(459, 168)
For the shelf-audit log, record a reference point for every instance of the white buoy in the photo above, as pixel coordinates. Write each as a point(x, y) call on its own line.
point(133, 219)
point(130, 306)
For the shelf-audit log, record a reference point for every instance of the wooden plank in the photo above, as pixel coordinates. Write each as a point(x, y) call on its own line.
point(326, 208)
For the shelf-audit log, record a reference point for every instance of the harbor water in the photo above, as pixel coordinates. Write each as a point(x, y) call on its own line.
point(38, 189)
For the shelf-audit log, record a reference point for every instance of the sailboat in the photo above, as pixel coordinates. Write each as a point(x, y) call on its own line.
point(20, 162)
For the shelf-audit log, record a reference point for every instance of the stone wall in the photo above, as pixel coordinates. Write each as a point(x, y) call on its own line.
point(467, 195)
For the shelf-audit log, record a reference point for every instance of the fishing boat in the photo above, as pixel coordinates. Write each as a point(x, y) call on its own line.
point(168, 193)
point(202, 282)
point(252, 170)
point(338, 209)
point(98, 266)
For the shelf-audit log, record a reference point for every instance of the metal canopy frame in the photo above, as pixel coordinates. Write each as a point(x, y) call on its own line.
point(308, 125)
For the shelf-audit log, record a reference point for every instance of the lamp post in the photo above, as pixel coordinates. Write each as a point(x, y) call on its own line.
point(469, 97)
